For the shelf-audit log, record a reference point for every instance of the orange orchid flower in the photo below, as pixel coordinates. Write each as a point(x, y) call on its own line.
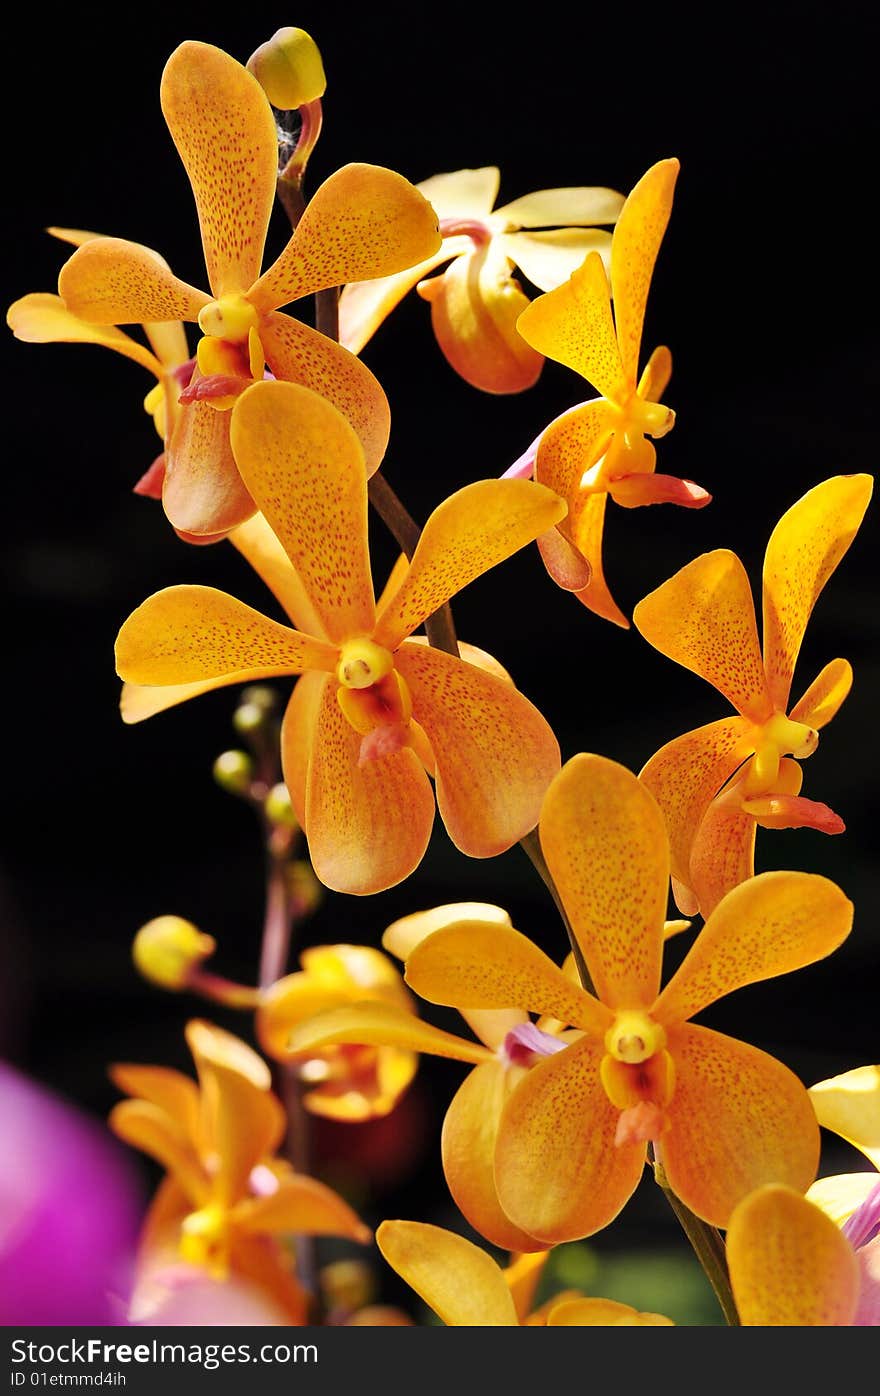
point(375, 712)
point(475, 302)
point(227, 1200)
point(41, 318)
point(466, 1288)
point(601, 448)
point(704, 618)
point(352, 1082)
point(363, 221)
point(723, 1116)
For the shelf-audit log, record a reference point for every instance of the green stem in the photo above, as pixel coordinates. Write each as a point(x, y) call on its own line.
point(707, 1244)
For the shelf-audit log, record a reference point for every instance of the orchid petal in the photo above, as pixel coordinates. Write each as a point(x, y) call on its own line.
point(783, 811)
point(686, 774)
point(168, 1090)
point(587, 526)
point(842, 1195)
point(704, 619)
point(603, 836)
point(222, 124)
point(738, 1119)
point(298, 354)
point(790, 1267)
point(573, 326)
point(608, 1313)
point(298, 729)
point(461, 1283)
point(462, 193)
point(637, 238)
point(362, 222)
point(570, 446)
point(168, 341)
point(378, 1024)
point(804, 549)
point(522, 1276)
point(112, 282)
point(772, 924)
point(634, 490)
point(473, 530)
point(850, 1105)
point(151, 1129)
point(300, 1206)
point(303, 464)
point(548, 258)
point(655, 375)
point(45, 319)
point(567, 567)
point(557, 208)
point(367, 826)
point(363, 305)
point(495, 754)
point(558, 1172)
point(723, 850)
point(137, 702)
point(203, 492)
point(187, 634)
point(825, 695)
point(402, 936)
point(257, 543)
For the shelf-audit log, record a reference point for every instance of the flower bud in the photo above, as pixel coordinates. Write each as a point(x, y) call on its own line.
point(260, 696)
point(279, 808)
point(167, 950)
point(289, 69)
point(347, 1285)
point(234, 771)
point(248, 719)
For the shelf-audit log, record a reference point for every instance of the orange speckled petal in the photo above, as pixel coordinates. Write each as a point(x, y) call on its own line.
point(301, 1206)
point(704, 618)
point(723, 850)
point(298, 354)
point(605, 842)
point(259, 545)
point(637, 238)
point(475, 306)
point(571, 445)
point(467, 1143)
point(304, 466)
point(367, 826)
point(738, 1119)
point(403, 935)
point(137, 702)
point(112, 282)
point(475, 964)
point(298, 736)
point(222, 124)
point(45, 319)
point(804, 549)
point(380, 1024)
point(461, 1283)
point(573, 326)
point(495, 754)
point(685, 775)
point(587, 527)
point(567, 567)
point(363, 222)
point(363, 305)
point(606, 1313)
point(186, 634)
point(826, 693)
point(790, 1266)
point(549, 257)
point(203, 492)
point(556, 208)
point(473, 530)
point(770, 925)
point(850, 1105)
point(559, 1174)
point(656, 375)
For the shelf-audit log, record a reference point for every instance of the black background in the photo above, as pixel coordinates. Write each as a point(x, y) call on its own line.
point(765, 291)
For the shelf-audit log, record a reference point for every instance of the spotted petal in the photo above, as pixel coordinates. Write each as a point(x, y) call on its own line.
point(723, 850)
point(260, 546)
point(637, 238)
point(45, 319)
point(573, 326)
point(380, 1025)
point(203, 492)
point(826, 693)
point(108, 281)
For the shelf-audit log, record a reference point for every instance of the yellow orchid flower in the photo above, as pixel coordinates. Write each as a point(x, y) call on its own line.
point(41, 318)
point(352, 1082)
point(704, 618)
point(363, 221)
point(375, 712)
point(601, 448)
point(227, 1198)
point(466, 1288)
point(475, 302)
point(724, 1117)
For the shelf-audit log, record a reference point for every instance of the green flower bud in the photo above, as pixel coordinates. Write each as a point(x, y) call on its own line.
point(279, 808)
point(289, 69)
point(234, 771)
point(167, 950)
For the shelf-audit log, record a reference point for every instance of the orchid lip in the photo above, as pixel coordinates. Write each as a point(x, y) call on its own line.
point(525, 1043)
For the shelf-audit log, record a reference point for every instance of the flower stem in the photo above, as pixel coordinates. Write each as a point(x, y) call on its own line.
point(706, 1242)
point(532, 846)
point(439, 627)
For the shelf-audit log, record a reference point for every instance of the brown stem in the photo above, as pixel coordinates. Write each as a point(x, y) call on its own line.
point(327, 312)
point(532, 846)
point(291, 199)
point(439, 627)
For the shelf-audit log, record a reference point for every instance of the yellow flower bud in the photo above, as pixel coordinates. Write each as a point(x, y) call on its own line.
point(289, 69)
point(167, 949)
point(234, 771)
point(278, 807)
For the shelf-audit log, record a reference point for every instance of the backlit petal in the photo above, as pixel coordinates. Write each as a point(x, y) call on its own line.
point(473, 530)
point(556, 208)
point(381, 1025)
point(656, 375)
point(685, 776)
point(704, 618)
point(826, 693)
point(367, 826)
point(559, 1174)
point(605, 842)
point(300, 1206)
point(363, 305)
point(549, 258)
point(45, 319)
point(804, 549)
point(112, 282)
point(475, 305)
point(185, 634)
point(203, 492)
point(850, 1105)
point(637, 238)
point(495, 754)
point(843, 1194)
point(402, 936)
point(298, 729)
point(789, 1265)
point(168, 341)
point(738, 1119)
point(298, 354)
point(587, 526)
point(221, 122)
point(633, 491)
point(363, 221)
point(470, 1131)
point(723, 850)
point(462, 193)
point(303, 464)
point(569, 446)
point(138, 702)
point(256, 542)
point(460, 1282)
point(770, 925)
point(573, 325)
